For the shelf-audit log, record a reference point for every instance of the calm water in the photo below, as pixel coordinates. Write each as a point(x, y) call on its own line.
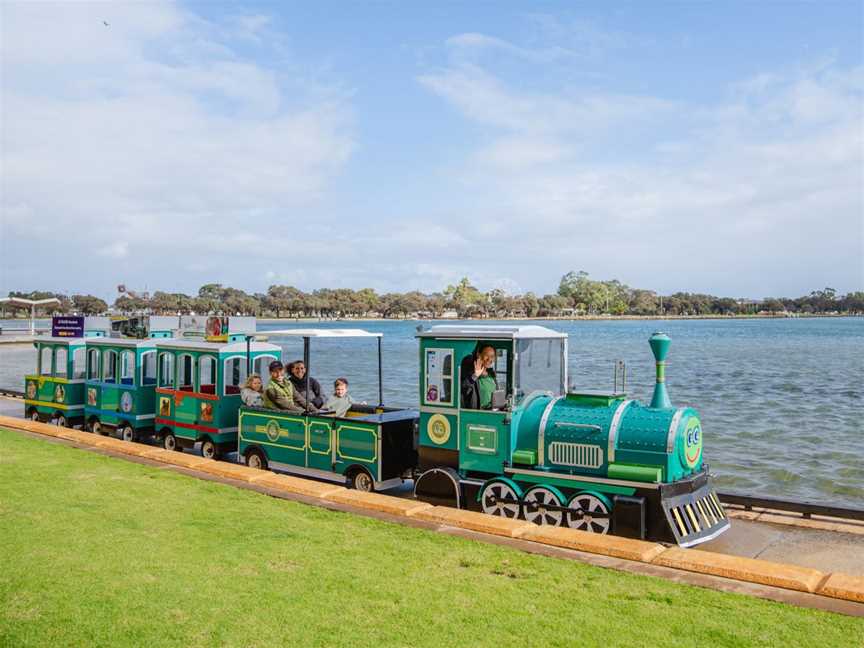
point(782, 401)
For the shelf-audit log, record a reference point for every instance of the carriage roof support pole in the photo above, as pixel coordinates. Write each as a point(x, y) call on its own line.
point(380, 383)
point(306, 377)
point(249, 355)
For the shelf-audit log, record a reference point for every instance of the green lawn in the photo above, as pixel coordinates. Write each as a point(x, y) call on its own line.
point(101, 551)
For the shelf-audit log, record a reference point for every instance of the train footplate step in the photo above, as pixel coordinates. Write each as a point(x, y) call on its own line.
point(695, 517)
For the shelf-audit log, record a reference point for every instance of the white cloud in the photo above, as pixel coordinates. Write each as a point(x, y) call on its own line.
point(761, 193)
point(153, 132)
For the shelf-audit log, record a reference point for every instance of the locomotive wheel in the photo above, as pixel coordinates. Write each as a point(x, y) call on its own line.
point(588, 513)
point(61, 421)
point(499, 498)
point(169, 442)
point(96, 427)
point(209, 450)
point(536, 503)
point(34, 415)
point(127, 433)
point(256, 459)
point(361, 481)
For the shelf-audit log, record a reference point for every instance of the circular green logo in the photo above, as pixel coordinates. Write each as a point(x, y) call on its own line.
point(272, 430)
point(692, 448)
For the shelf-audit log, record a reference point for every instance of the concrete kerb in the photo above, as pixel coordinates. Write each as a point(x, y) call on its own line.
point(790, 577)
point(843, 586)
point(802, 579)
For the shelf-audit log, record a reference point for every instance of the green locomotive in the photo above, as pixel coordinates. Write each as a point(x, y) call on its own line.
point(594, 461)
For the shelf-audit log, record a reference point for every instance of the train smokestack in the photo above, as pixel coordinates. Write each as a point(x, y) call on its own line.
point(660, 348)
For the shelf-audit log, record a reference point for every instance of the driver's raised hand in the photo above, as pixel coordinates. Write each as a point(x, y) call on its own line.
point(479, 367)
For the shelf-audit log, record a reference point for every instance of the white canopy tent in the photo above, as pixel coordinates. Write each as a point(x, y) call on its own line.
point(32, 303)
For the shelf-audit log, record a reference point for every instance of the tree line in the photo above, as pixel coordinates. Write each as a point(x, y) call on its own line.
point(577, 295)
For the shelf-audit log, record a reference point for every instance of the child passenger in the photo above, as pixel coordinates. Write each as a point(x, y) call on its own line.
point(252, 393)
point(340, 402)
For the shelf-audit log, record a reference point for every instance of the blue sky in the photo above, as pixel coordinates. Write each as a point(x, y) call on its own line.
point(675, 146)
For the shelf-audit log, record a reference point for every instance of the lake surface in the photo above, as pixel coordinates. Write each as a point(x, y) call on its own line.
point(781, 400)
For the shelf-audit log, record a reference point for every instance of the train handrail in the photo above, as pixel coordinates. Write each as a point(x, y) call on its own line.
point(806, 509)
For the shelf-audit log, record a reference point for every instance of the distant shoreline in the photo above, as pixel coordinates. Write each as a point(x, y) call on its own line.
point(569, 318)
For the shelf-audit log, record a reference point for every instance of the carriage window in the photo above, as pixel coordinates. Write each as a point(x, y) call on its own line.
point(93, 364)
point(261, 366)
point(127, 367)
point(109, 367)
point(207, 374)
point(60, 364)
point(45, 358)
point(78, 368)
point(185, 372)
point(166, 370)
point(439, 377)
point(148, 368)
point(235, 374)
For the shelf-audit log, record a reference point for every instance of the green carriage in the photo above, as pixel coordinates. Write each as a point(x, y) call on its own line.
point(595, 461)
point(120, 387)
point(56, 391)
point(370, 448)
point(198, 389)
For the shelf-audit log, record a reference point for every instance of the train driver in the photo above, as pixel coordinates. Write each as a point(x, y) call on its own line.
point(478, 378)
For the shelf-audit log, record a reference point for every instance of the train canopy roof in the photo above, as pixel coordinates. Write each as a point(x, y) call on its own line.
point(62, 340)
point(215, 347)
point(491, 332)
point(320, 333)
point(132, 343)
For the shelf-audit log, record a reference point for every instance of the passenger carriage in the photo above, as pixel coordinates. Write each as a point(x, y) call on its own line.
point(120, 387)
point(55, 392)
point(197, 395)
point(370, 448)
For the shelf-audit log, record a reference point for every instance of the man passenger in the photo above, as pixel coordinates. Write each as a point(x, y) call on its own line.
point(297, 375)
point(478, 378)
point(280, 392)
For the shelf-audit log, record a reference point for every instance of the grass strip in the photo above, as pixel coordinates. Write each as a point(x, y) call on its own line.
point(95, 551)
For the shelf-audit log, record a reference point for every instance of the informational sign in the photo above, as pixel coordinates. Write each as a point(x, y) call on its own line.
point(71, 326)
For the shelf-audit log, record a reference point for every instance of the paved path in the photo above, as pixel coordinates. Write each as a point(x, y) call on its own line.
point(791, 542)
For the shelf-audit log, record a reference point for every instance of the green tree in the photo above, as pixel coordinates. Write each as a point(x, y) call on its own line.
point(88, 305)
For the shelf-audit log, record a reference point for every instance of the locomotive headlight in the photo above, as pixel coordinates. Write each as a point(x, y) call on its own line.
point(691, 446)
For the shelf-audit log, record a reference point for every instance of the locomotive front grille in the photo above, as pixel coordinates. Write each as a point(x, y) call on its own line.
point(578, 455)
point(695, 517)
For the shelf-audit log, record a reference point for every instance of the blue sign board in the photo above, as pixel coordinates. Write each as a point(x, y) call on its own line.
point(67, 326)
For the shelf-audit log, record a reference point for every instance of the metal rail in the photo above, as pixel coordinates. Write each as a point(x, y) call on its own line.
point(806, 509)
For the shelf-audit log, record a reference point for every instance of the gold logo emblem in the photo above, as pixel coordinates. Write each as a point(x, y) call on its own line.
point(438, 428)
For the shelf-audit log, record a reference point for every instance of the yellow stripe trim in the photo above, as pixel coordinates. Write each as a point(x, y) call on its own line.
point(718, 505)
point(59, 406)
point(693, 518)
point(680, 522)
point(705, 510)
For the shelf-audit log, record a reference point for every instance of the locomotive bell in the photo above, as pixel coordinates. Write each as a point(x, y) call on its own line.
point(660, 348)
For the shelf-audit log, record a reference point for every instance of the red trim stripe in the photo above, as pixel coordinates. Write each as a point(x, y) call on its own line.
point(185, 394)
point(189, 426)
